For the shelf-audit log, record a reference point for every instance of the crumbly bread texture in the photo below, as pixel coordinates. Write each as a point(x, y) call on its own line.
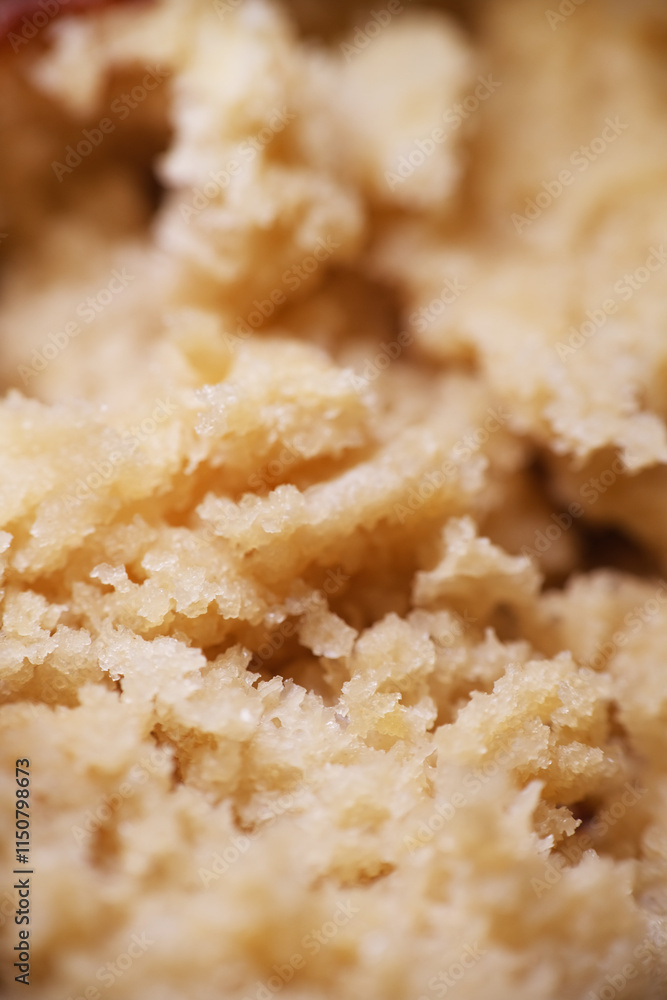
point(333, 476)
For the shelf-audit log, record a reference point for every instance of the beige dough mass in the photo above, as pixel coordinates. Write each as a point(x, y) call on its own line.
point(333, 349)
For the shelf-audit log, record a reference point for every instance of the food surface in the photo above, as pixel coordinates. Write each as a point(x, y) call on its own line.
point(333, 479)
